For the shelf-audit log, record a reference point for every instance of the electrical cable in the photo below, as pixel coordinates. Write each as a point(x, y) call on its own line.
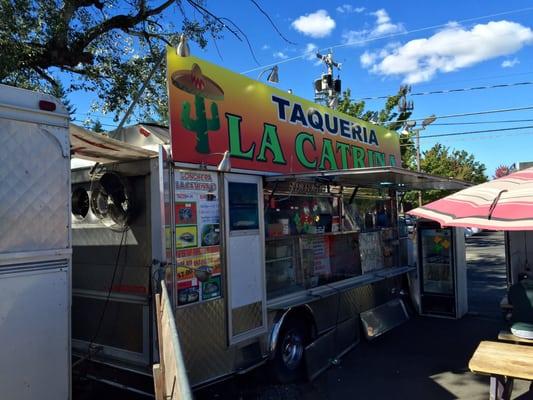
point(368, 40)
point(473, 132)
point(447, 91)
point(483, 122)
point(109, 290)
point(468, 114)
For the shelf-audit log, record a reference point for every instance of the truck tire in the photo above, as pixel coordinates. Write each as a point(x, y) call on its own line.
point(289, 359)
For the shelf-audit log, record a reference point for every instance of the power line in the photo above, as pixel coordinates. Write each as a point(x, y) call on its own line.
point(445, 91)
point(468, 114)
point(368, 40)
point(473, 132)
point(504, 121)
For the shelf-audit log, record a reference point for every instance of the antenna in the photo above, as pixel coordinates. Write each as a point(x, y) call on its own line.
point(328, 89)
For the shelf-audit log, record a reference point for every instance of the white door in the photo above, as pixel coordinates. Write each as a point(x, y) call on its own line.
point(245, 256)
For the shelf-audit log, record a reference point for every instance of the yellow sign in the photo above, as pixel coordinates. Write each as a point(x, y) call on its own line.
point(265, 129)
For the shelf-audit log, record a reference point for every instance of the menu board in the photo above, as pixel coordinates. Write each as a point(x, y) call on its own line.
point(190, 289)
point(315, 252)
point(197, 225)
point(371, 251)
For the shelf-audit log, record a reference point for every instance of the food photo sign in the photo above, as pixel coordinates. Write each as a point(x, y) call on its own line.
point(213, 110)
point(197, 217)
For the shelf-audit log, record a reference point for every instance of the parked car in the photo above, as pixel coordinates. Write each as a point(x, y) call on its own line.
point(472, 231)
point(408, 223)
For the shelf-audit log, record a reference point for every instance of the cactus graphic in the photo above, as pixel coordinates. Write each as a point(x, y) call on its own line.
point(201, 125)
point(193, 81)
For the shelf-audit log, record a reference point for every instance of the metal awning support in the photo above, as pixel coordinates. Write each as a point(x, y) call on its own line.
point(378, 178)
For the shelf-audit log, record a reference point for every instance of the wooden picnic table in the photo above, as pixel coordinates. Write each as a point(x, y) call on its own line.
point(504, 362)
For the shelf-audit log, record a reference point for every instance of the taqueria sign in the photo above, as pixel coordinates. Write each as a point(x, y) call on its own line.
point(265, 129)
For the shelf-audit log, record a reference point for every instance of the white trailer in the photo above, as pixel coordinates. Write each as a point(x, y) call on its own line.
point(35, 246)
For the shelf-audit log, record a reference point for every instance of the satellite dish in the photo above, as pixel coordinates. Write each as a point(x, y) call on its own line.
point(111, 201)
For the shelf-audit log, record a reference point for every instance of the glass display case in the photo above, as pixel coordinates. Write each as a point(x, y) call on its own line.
point(308, 243)
point(436, 263)
point(282, 274)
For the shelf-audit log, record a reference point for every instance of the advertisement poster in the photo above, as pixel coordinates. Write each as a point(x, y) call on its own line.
point(197, 203)
point(211, 289)
point(203, 258)
point(197, 221)
point(186, 236)
point(188, 292)
point(213, 110)
point(316, 254)
point(186, 213)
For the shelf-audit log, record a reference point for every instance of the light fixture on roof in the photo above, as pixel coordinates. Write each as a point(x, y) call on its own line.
point(272, 76)
point(183, 48)
point(225, 164)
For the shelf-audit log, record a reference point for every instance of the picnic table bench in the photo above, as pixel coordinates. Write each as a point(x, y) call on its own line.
point(504, 362)
point(507, 336)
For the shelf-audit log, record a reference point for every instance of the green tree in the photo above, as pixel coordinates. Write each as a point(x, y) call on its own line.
point(59, 92)
point(386, 116)
point(458, 164)
point(106, 47)
point(97, 127)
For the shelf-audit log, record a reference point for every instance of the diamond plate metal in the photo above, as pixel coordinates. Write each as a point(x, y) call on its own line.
point(35, 189)
point(352, 302)
point(246, 318)
point(202, 331)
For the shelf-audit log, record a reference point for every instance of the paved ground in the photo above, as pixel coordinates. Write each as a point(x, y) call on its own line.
point(485, 256)
point(426, 358)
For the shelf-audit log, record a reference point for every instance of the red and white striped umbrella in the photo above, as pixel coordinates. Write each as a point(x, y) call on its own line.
point(504, 204)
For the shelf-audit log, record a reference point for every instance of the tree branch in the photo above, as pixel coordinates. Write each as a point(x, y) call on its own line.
point(271, 22)
point(122, 22)
point(46, 77)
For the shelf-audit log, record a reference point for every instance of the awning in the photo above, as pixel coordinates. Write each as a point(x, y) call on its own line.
point(376, 177)
point(92, 146)
point(501, 204)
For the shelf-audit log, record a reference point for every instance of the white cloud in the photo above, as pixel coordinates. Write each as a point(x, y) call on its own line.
point(309, 54)
point(310, 51)
point(318, 24)
point(349, 9)
point(448, 50)
point(382, 27)
point(367, 59)
point(281, 55)
point(510, 63)
point(265, 47)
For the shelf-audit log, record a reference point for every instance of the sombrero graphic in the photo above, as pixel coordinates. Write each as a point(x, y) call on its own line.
point(193, 81)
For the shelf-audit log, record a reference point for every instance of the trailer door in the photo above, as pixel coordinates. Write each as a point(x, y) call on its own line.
point(245, 259)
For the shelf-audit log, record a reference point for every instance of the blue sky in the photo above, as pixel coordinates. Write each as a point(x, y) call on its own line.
point(431, 45)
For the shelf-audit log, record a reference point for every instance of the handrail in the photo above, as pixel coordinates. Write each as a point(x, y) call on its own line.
point(170, 377)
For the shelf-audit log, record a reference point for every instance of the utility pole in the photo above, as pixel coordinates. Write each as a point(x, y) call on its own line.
point(328, 89)
point(410, 127)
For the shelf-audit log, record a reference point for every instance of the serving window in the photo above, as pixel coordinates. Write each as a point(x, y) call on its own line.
point(315, 240)
point(305, 247)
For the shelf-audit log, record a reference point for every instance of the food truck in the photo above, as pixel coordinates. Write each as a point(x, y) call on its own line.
point(35, 246)
point(271, 219)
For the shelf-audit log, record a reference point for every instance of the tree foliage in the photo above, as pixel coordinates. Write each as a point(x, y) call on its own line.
point(458, 164)
point(387, 116)
point(107, 47)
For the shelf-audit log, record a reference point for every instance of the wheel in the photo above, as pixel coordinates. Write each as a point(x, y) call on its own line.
point(289, 359)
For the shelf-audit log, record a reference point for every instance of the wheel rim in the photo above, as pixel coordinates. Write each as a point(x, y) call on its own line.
point(292, 350)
